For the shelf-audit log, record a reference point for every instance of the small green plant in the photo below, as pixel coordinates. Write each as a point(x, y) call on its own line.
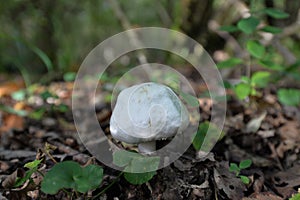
point(70, 175)
point(260, 54)
point(244, 164)
point(249, 86)
point(133, 162)
point(33, 167)
point(296, 196)
point(289, 97)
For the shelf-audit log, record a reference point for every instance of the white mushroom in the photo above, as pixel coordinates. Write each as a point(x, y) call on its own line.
point(145, 113)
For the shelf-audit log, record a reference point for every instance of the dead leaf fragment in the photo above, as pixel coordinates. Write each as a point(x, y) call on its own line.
point(228, 182)
point(254, 124)
point(263, 196)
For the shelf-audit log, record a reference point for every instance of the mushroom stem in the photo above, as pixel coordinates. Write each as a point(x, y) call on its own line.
point(147, 147)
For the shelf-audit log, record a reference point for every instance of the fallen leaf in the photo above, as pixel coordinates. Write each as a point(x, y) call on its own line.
point(10, 87)
point(263, 196)
point(228, 182)
point(254, 124)
point(266, 134)
point(11, 121)
point(290, 130)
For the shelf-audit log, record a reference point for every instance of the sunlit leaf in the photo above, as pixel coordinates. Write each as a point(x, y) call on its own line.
point(242, 90)
point(260, 79)
point(245, 179)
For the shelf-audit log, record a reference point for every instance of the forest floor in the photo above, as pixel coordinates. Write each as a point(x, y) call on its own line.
point(262, 130)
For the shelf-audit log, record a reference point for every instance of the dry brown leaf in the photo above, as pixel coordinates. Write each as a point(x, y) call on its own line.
point(10, 87)
point(11, 121)
point(263, 196)
point(10, 181)
point(254, 124)
point(290, 131)
point(228, 182)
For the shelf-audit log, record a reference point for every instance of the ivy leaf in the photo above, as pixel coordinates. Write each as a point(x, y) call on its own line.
point(260, 79)
point(256, 49)
point(229, 28)
point(139, 178)
point(245, 164)
point(123, 158)
point(231, 62)
point(90, 178)
point(248, 25)
point(70, 174)
point(276, 13)
point(242, 90)
point(290, 97)
point(271, 29)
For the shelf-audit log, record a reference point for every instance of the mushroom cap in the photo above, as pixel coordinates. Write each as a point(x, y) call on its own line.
point(147, 112)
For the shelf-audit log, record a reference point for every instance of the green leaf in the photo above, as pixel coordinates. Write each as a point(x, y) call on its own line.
point(43, 56)
point(19, 95)
point(70, 174)
point(69, 76)
point(276, 13)
point(11, 110)
point(139, 178)
point(33, 164)
point(248, 25)
point(37, 114)
point(271, 29)
point(271, 65)
point(143, 164)
point(209, 130)
point(295, 196)
point(245, 179)
point(260, 79)
point(242, 90)
point(245, 164)
point(46, 94)
point(234, 168)
point(123, 158)
point(229, 28)
point(90, 178)
point(256, 49)
point(200, 135)
point(190, 99)
point(290, 97)
point(231, 62)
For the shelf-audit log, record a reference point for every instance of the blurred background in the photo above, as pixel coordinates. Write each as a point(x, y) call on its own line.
point(53, 37)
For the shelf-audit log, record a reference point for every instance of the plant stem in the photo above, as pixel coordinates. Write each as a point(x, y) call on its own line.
point(107, 187)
